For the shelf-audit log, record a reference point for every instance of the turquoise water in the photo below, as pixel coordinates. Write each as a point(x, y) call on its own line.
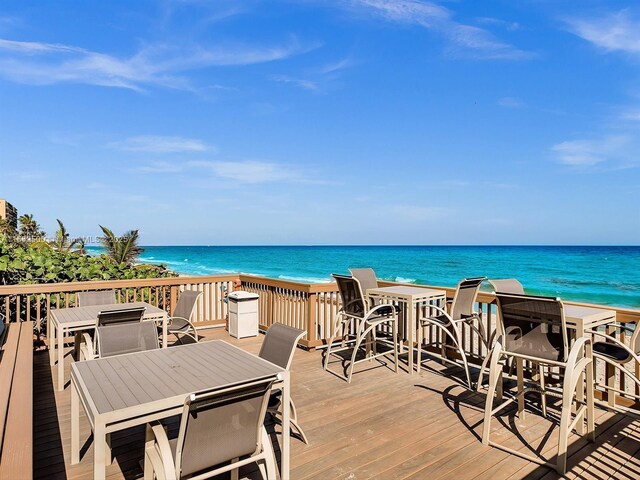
point(605, 275)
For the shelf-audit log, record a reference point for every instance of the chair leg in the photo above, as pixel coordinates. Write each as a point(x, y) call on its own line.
point(494, 376)
point(565, 421)
point(420, 340)
point(336, 326)
point(543, 395)
point(269, 472)
point(395, 345)
point(296, 426)
point(361, 334)
point(520, 373)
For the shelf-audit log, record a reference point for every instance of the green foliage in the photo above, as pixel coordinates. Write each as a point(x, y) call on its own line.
point(38, 262)
point(123, 249)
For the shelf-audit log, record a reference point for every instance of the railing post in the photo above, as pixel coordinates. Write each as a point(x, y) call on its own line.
point(174, 298)
point(312, 320)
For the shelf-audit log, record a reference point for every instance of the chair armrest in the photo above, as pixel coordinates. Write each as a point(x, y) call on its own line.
point(87, 349)
point(438, 309)
point(157, 433)
point(380, 307)
point(615, 341)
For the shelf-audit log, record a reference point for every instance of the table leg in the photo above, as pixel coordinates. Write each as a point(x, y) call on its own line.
point(60, 334)
point(286, 427)
point(411, 331)
point(51, 333)
point(75, 425)
point(99, 451)
point(610, 374)
point(580, 392)
point(165, 320)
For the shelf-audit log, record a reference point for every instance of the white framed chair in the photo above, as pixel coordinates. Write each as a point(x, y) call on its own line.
point(220, 431)
point(99, 297)
point(533, 328)
point(119, 332)
point(279, 345)
point(180, 324)
point(356, 324)
point(450, 324)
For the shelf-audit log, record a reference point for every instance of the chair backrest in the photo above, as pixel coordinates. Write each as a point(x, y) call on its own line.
point(220, 425)
point(465, 297)
point(533, 326)
point(279, 344)
point(351, 295)
point(186, 304)
point(507, 285)
point(121, 315)
point(101, 297)
point(123, 331)
point(366, 277)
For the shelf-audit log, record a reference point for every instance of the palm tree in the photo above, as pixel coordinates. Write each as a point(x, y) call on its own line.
point(62, 243)
point(6, 228)
point(29, 228)
point(123, 249)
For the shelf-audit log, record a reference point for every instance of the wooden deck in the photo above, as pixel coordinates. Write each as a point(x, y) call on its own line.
point(382, 426)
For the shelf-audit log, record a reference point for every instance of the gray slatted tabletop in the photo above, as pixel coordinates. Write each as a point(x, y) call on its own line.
point(126, 390)
point(77, 319)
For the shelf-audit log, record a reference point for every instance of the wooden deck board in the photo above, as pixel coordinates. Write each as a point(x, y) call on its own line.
point(381, 426)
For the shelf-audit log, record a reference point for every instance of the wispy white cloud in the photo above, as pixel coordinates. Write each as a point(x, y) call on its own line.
point(154, 65)
point(464, 39)
point(299, 82)
point(590, 152)
point(250, 171)
point(617, 31)
point(510, 102)
point(161, 167)
point(161, 144)
point(510, 26)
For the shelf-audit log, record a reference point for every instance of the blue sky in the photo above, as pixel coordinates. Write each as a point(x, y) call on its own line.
point(325, 122)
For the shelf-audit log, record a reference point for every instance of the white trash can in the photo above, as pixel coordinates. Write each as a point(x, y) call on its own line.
point(243, 314)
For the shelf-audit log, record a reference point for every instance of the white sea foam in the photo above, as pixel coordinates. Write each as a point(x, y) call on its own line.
point(405, 280)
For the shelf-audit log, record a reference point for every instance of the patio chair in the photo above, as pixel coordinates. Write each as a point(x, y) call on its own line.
point(368, 280)
point(101, 297)
point(616, 353)
point(533, 328)
point(507, 285)
point(119, 332)
point(357, 323)
point(216, 427)
point(180, 322)
point(450, 324)
point(278, 347)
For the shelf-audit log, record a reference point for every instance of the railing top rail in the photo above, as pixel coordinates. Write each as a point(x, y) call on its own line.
point(34, 288)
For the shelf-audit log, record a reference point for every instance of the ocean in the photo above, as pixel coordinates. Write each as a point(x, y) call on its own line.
point(597, 274)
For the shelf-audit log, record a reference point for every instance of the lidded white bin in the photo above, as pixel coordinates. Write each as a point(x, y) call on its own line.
point(243, 314)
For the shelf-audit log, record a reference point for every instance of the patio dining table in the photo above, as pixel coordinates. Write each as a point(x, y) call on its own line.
point(79, 319)
point(413, 298)
point(123, 391)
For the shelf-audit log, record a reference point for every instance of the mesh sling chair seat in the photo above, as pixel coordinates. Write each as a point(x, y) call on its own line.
point(119, 332)
point(357, 323)
point(613, 351)
point(101, 297)
point(533, 328)
point(278, 347)
point(180, 322)
point(450, 324)
point(220, 431)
